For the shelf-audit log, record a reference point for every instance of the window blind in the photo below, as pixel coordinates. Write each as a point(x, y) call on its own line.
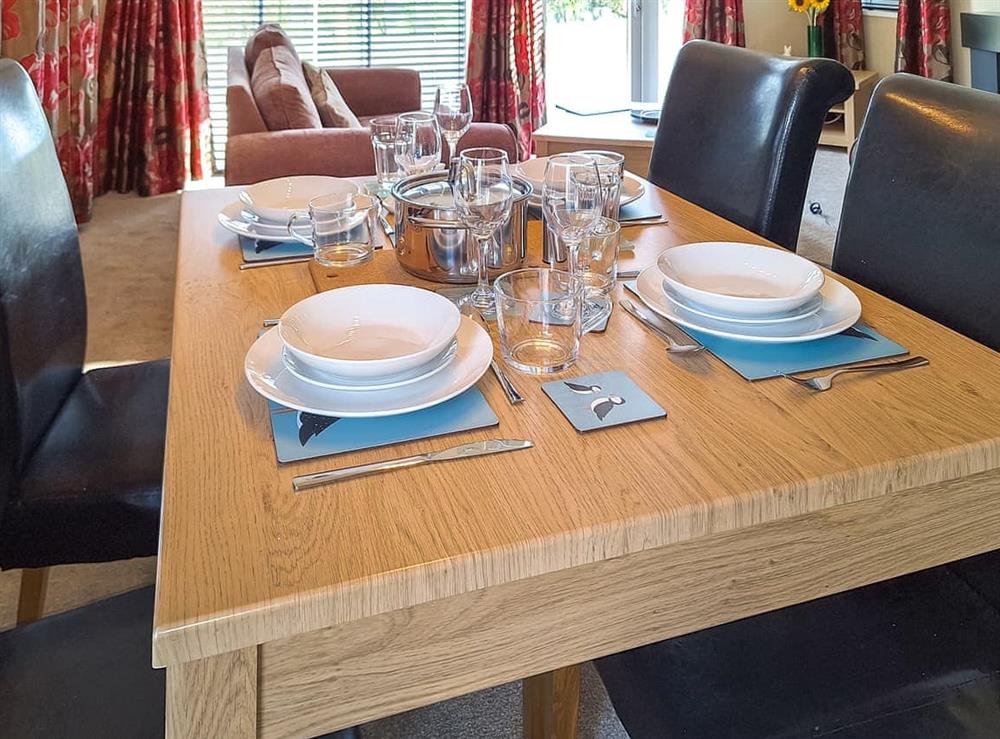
point(426, 35)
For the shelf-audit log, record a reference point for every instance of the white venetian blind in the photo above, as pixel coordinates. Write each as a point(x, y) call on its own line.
point(426, 35)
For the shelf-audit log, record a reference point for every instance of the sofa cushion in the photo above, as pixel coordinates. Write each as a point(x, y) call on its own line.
point(267, 36)
point(281, 91)
point(333, 111)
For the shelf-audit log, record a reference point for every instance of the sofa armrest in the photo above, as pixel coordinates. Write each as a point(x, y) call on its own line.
point(242, 114)
point(370, 92)
point(337, 152)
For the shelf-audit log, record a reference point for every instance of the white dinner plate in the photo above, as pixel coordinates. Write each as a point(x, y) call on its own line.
point(231, 219)
point(841, 310)
point(276, 200)
point(803, 311)
point(268, 375)
point(740, 279)
point(533, 170)
point(332, 382)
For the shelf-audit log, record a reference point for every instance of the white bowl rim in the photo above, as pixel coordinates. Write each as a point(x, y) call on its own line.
point(247, 199)
point(803, 292)
point(362, 363)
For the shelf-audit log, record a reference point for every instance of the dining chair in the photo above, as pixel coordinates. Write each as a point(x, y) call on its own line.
point(919, 655)
point(738, 133)
point(81, 453)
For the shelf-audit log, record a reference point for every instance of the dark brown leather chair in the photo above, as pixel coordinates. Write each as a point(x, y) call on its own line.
point(81, 453)
point(738, 133)
point(917, 656)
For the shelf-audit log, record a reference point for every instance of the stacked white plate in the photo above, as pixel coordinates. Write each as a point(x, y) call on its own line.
point(747, 292)
point(263, 209)
point(369, 350)
point(533, 170)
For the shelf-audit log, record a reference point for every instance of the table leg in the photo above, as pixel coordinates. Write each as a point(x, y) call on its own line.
point(550, 704)
point(215, 696)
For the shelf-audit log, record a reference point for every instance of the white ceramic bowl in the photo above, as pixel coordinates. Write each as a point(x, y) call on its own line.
point(276, 200)
point(741, 279)
point(369, 331)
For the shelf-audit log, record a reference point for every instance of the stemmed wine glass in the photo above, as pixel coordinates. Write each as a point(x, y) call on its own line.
point(483, 190)
point(453, 110)
point(572, 199)
point(418, 142)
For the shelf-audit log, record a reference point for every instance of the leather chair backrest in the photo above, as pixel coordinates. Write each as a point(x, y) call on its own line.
point(43, 309)
point(921, 217)
point(738, 133)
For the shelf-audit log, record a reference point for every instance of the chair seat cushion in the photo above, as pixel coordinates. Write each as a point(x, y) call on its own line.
point(84, 673)
point(982, 573)
point(91, 491)
point(917, 656)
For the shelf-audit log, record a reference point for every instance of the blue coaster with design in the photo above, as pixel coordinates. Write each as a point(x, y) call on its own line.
point(756, 361)
point(300, 435)
point(255, 250)
point(602, 400)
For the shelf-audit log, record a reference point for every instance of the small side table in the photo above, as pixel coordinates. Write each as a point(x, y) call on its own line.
point(843, 132)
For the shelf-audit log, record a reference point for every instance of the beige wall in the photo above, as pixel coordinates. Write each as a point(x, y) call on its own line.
point(770, 25)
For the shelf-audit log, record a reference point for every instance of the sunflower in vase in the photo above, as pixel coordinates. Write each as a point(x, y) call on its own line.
point(813, 9)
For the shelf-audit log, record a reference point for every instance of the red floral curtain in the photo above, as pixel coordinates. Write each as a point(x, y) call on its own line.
point(153, 116)
point(506, 66)
point(923, 38)
point(844, 33)
point(56, 42)
point(714, 20)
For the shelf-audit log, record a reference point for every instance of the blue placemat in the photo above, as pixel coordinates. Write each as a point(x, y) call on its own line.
point(305, 435)
point(255, 250)
point(756, 361)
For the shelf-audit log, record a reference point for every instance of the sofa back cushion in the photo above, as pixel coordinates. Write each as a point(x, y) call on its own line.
point(281, 91)
point(267, 36)
point(333, 111)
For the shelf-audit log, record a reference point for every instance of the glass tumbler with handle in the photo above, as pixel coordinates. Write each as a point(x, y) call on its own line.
point(418, 142)
point(453, 110)
point(483, 191)
point(572, 199)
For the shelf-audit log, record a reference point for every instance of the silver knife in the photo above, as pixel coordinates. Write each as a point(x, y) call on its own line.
point(462, 451)
point(390, 232)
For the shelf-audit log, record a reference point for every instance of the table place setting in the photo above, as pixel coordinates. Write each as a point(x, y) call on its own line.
point(764, 312)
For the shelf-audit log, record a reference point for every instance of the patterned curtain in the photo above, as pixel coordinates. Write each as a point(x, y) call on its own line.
point(714, 20)
point(56, 41)
point(844, 33)
point(506, 66)
point(923, 38)
point(153, 113)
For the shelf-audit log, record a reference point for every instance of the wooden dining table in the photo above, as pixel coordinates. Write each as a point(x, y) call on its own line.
point(284, 614)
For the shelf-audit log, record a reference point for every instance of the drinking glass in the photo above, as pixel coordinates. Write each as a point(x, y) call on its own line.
point(418, 142)
point(453, 110)
point(571, 199)
point(387, 170)
point(341, 229)
point(611, 169)
point(483, 191)
point(540, 317)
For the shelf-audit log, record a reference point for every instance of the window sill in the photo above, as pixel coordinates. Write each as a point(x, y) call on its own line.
point(873, 13)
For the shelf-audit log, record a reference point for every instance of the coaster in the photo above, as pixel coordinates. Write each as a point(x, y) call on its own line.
point(255, 250)
point(756, 361)
point(636, 211)
point(602, 400)
point(300, 435)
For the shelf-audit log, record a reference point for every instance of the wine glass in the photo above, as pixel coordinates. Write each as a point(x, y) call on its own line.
point(453, 110)
point(483, 190)
point(418, 142)
point(572, 199)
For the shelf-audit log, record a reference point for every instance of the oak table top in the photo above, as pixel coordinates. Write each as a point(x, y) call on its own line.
point(244, 562)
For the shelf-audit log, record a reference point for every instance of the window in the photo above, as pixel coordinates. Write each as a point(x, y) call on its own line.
point(890, 5)
point(426, 35)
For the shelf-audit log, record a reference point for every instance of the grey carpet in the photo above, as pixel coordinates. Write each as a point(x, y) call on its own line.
point(128, 253)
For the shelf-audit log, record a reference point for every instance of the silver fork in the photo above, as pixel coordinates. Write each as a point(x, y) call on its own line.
point(825, 382)
point(509, 390)
point(673, 346)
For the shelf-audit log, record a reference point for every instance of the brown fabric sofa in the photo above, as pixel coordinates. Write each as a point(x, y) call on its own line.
point(254, 153)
